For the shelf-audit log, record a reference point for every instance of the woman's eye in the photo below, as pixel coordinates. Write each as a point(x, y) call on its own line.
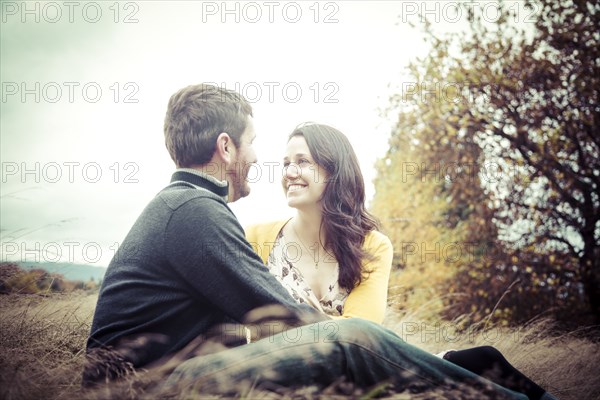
point(286, 164)
point(303, 161)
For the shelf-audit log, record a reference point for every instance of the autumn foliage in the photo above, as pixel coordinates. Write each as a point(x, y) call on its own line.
point(14, 279)
point(490, 187)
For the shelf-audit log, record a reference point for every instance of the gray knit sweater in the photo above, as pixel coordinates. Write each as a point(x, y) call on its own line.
point(184, 267)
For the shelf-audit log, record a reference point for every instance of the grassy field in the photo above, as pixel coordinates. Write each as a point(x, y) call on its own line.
point(43, 339)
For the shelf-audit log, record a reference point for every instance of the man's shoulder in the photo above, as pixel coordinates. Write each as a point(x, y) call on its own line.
point(175, 197)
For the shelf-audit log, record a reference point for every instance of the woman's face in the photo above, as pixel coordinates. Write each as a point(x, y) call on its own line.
point(303, 179)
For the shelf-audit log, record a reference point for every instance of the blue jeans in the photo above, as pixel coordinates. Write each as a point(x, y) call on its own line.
point(363, 352)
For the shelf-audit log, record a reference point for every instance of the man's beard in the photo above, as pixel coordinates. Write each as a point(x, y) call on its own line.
point(240, 187)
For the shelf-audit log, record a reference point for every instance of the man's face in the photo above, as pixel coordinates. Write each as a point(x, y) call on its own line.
point(243, 157)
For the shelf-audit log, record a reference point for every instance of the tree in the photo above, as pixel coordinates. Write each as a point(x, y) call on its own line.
point(517, 108)
point(543, 118)
point(412, 214)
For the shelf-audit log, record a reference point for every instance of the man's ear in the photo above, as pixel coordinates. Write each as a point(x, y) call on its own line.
point(224, 148)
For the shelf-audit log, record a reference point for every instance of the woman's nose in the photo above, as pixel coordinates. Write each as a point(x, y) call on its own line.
point(292, 172)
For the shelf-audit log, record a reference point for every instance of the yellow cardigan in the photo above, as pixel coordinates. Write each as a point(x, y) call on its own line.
point(369, 299)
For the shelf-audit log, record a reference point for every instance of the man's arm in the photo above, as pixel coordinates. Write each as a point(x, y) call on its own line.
point(205, 244)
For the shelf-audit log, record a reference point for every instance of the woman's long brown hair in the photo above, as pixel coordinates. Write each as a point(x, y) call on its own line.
point(345, 220)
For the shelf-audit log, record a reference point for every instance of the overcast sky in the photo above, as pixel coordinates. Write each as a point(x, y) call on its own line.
point(85, 87)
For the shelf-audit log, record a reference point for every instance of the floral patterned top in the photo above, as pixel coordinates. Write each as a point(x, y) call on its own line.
point(332, 302)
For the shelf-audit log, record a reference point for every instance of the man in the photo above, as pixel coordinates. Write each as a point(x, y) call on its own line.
point(186, 266)
point(185, 269)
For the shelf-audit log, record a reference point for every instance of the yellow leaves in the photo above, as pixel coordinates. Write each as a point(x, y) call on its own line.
point(450, 130)
point(414, 289)
point(453, 119)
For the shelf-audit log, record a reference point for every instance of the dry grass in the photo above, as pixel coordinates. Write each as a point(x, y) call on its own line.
point(42, 345)
point(562, 363)
point(43, 339)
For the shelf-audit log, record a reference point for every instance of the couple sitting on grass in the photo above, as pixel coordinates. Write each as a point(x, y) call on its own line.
point(187, 273)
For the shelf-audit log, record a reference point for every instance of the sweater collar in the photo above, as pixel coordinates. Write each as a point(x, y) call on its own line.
point(201, 180)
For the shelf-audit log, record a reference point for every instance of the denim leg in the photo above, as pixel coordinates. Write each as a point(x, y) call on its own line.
point(319, 354)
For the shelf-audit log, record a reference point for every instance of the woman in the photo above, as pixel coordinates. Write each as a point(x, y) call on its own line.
point(330, 254)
